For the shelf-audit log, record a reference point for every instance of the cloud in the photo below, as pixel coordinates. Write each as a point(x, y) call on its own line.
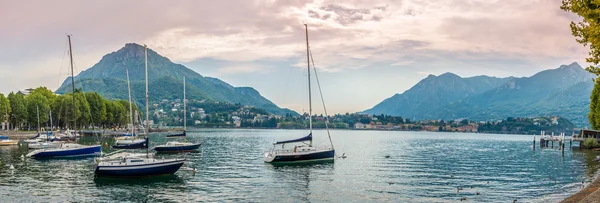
point(402, 63)
point(354, 37)
point(243, 68)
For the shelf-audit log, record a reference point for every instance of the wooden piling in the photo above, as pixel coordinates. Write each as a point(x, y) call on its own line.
point(533, 143)
point(552, 144)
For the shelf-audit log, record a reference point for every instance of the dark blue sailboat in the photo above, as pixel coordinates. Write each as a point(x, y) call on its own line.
point(302, 151)
point(174, 146)
point(132, 165)
point(131, 144)
point(129, 140)
point(68, 150)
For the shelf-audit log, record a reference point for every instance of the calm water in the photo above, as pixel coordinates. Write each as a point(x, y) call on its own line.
point(422, 167)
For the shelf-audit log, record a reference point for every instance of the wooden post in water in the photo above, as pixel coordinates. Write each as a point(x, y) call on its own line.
point(534, 143)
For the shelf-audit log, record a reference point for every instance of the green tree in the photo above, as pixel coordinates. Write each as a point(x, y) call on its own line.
point(594, 116)
point(4, 108)
point(591, 143)
point(97, 107)
point(84, 113)
point(18, 114)
point(37, 103)
point(586, 32)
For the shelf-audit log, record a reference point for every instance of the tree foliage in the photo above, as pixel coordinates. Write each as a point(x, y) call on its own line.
point(4, 108)
point(594, 115)
point(591, 143)
point(18, 114)
point(586, 32)
point(92, 110)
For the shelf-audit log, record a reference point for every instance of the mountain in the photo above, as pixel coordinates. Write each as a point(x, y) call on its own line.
point(563, 91)
point(165, 81)
point(434, 92)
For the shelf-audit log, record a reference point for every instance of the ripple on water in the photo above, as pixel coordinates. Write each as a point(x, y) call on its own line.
point(421, 167)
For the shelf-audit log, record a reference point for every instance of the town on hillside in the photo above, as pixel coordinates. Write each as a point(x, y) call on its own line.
point(211, 114)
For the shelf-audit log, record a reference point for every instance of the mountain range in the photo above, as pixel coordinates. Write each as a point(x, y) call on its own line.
point(108, 78)
point(564, 91)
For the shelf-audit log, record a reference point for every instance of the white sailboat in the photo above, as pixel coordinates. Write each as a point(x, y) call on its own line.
point(302, 151)
point(132, 165)
point(175, 146)
point(40, 143)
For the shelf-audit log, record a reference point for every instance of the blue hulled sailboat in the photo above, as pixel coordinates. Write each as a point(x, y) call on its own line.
point(68, 149)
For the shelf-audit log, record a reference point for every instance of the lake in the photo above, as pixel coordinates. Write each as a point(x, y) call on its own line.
point(381, 166)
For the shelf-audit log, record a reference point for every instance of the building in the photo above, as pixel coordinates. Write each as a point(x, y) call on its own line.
point(585, 134)
point(359, 125)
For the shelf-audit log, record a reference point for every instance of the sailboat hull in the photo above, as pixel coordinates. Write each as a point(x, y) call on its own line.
point(175, 149)
point(82, 151)
point(290, 158)
point(131, 144)
point(141, 170)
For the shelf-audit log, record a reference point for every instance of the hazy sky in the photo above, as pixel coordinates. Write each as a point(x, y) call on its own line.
point(365, 50)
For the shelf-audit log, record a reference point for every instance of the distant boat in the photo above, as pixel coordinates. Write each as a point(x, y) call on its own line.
point(174, 146)
point(129, 140)
point(4, 141)
point(46, 143)
point(303, 152)
point(68, 150)
point(132, 165)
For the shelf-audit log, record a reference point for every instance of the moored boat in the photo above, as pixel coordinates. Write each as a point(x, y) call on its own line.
point(130, 165)
point(174, 146)
point(302, 151)
point(8, 142)
point(69, 149)
point(134, 166)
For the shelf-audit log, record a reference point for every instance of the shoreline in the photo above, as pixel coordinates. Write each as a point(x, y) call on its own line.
point(589, 194)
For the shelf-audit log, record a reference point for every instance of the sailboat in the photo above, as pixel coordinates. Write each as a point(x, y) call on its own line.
point(131, 165)
point(129, 140)
point(302, 151)
point(68, 149)
point(38, 143)
point(174, 146)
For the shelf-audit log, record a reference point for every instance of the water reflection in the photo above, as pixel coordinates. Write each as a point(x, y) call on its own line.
point(298, 178)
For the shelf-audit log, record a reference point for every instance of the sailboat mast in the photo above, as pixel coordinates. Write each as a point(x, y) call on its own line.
point(6, 116)
point(184, 107)
point(130, 108)
point(73, 88)
point(37, 111)
point(309, 93)
point(51, 124)
point(147, 116)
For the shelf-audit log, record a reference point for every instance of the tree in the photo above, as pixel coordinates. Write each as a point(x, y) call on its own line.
point(594, 116)
point(587, 31)
point(4, 108)
point(97, 107)
point(37, 104)
point(18, 114)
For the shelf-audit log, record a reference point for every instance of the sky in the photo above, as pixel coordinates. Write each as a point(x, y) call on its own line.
point(364, 50)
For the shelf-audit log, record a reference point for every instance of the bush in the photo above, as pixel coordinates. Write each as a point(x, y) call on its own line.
point(591, 143)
